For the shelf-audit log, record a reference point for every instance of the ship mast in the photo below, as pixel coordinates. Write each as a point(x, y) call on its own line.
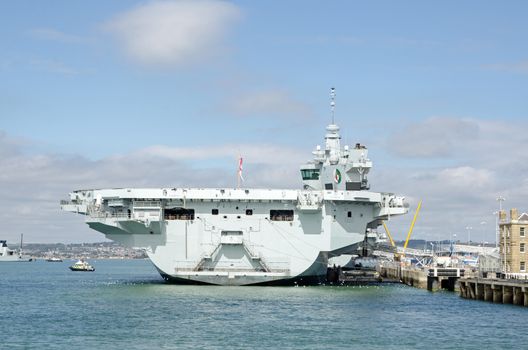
point(332, 103)
point(21, 240)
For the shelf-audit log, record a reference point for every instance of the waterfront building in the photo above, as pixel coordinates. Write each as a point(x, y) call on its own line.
point(513, 243)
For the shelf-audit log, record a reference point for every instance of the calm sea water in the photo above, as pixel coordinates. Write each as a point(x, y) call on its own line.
point(126, 305)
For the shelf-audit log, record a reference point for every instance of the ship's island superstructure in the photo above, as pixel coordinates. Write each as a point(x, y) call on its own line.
point(249, 236)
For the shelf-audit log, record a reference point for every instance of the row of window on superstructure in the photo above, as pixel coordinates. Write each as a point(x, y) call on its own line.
point(216, 212)
point(189, 214)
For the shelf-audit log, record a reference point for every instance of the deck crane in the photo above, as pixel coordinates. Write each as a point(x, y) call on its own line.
point(397, 255)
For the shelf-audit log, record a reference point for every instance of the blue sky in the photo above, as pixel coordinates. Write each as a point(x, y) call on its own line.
point(176, 89)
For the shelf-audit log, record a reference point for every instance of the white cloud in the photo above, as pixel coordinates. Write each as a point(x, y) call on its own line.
point(174, 33)
point(460, 191)
point(31, 185)
point(463, 165)
point(269, 103)
point(466, 178)
point(9, 147)
point(255, 154)
point(434, 137)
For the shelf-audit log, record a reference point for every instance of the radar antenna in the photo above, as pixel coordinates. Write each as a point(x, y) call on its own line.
point(332, 102)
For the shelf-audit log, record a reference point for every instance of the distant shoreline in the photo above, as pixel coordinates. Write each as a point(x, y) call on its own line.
point(99, 250)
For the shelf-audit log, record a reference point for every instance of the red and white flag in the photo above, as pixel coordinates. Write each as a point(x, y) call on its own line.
point(240, 169)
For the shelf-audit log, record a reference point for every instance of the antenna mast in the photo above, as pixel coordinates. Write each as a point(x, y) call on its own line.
point(332, 102)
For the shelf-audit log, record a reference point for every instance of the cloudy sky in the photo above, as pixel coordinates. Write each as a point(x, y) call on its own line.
point(169, 93)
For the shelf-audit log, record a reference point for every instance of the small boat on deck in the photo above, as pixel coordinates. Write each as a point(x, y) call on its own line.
point(82, 265)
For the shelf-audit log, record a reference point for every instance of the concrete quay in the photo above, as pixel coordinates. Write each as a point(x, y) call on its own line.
point(430, 278)
point(409, 275)
point(501, 291)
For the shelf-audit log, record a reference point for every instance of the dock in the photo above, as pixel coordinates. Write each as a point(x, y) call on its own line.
point(501, 291)
point(430, 278)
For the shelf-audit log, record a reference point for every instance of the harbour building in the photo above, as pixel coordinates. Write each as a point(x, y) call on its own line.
point(513, 243)
point(511, 288)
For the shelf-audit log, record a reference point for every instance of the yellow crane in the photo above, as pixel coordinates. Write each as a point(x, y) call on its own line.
point(397, 256)
point(388, 233)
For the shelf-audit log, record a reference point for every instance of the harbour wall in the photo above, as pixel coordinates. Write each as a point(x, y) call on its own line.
point(409, 275)
point(500, 291)
point(429, 278)
point(506, 291)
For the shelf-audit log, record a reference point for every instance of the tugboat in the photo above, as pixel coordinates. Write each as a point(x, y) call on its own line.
point(82, 265)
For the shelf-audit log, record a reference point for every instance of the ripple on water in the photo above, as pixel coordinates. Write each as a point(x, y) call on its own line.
point(126, 305)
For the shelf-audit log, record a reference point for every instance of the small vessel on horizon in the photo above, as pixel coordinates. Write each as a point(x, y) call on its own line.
point(53, 256)
point(10, 255)
point(82, 265)
point(53, 259)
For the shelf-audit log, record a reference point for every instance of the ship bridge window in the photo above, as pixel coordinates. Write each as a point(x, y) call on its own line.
point(214, 212)
point(353, 186)
point(281, 215)
point(310, 174)
point(179, 214)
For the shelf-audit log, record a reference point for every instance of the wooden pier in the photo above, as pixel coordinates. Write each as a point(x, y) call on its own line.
point(502, 291)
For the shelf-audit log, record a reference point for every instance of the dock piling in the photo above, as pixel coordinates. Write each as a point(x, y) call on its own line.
point(499, 291)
